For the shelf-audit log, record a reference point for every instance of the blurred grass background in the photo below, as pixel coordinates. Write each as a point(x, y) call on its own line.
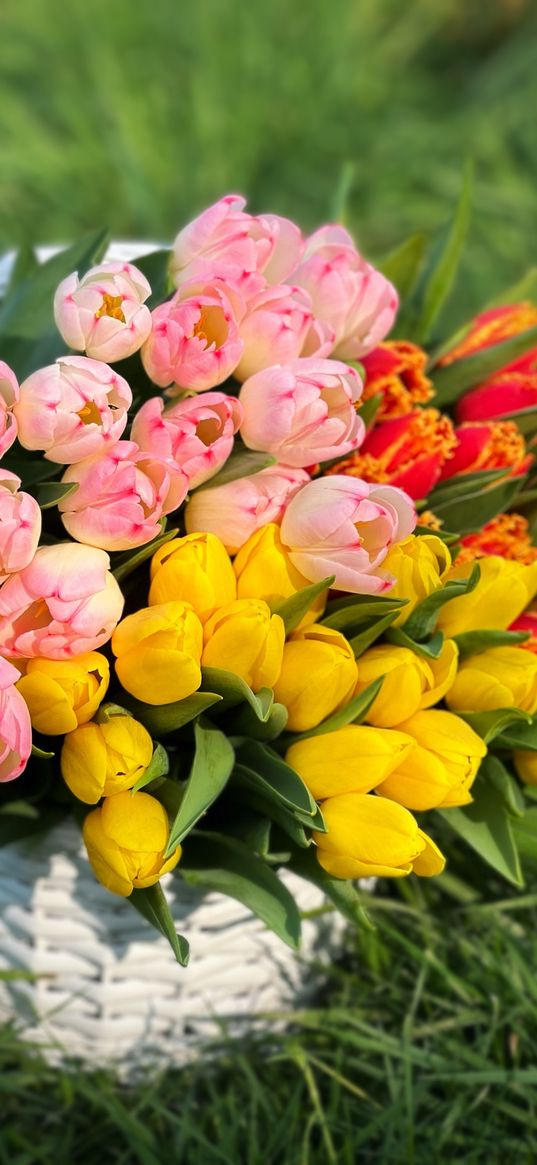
point(138, 116)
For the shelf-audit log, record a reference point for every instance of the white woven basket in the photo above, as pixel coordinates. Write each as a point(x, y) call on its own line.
point(107, 988)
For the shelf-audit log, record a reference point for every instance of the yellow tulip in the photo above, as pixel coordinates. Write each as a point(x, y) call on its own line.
point(420, 564)
point(158, 652)
point(264, 571)
point(411, 681)
point(99, 760)
point(245, 638)
point(353, 759)
point(526, 765)
point(504, 590)
point(126, 838)
point(501, 677)
point(318, 676)
point(61, 694)
point(195, 569)
point(441, 769)
point(373, 836)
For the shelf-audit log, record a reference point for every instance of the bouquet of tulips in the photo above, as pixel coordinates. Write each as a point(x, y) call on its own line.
point(266, 574)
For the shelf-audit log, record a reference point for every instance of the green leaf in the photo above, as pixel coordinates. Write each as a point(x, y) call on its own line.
point(28, 312)
point(245, 722)
point(353, 612)
point(519, 736)
point(342, 191)
point(158, 766)
point(474, 510)
point(438, 274)
point(342, 893)
point(402, 264)
point(489, 725)
point(371, 632)
point(49, 493)
point(125, 564)
point(161, 719)
point(369, 410)
point(429, 648)
point(234, 690)
point(26, 263)
point(30, 471)
point(293, 609)
point(155, 267)
point(453, 379)
point(278, 778)
point(462, 485)
point(523, 289)
point(472, 642)
point(152, 905)
point(422, 622)
point(251, 792)
point(213, 762)
point(353, 713)
point(525, 834)
point(486, 827)
point(241, 463)
point(226, 865)
point(497, 776)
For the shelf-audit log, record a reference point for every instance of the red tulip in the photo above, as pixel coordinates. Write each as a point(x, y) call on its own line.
point(396, 371)
point(489, 445)
point(408, 451)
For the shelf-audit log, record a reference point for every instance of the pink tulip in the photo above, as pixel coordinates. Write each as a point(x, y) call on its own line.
point(195, 341)
point(357, 301)
point(15, 725)
point(278, 327)
point(303, 412)
point(9, 395)
point(196, 433)
point(344, 527)
point(104, 313)
point(225, 236)
point(20, 525)
point(72, 409)
point(65, 602)
point(236, 510)
point(121, 496)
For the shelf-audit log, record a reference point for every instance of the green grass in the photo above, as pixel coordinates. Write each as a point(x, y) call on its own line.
point(138, 116)
point(421, 1048)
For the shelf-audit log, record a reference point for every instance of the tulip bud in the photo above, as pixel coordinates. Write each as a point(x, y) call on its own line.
point(525, 762)
point(197, 433)
point(15, 726)
point(104, 313)
point(243, 637)
point(126, 838)
point(278, 327)
point(237, 509)
point(395, 377)
point(487, 445)
point(195, 569)
point(61, 694)
point(9, 395)
point(373, 836)
point(20, 525)
point(65, 602)
point(72, 409)
point(504, 590)
point(440, 771)
point(410, 681)
point(158, 652)
point(501, 677)
point(194, 343)
point(100, 760)
point(318, 676)
point(420, 564)
point(354, 759)
point(225, 236)
point(264, 571)
point(408, 451)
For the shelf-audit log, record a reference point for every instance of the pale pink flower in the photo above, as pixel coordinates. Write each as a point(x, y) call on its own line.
point(225, 235)
point(104, 313)
point(72, 409)
point(237, 509)
point(347, 293)
point(196, 433)
point(303, 412)
point(343, 526)
point(65, 602)
point(194, 343)
point(9, 395)
point(20, 525)
point(121, 496)
point(279, 326)
point(15, 725)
